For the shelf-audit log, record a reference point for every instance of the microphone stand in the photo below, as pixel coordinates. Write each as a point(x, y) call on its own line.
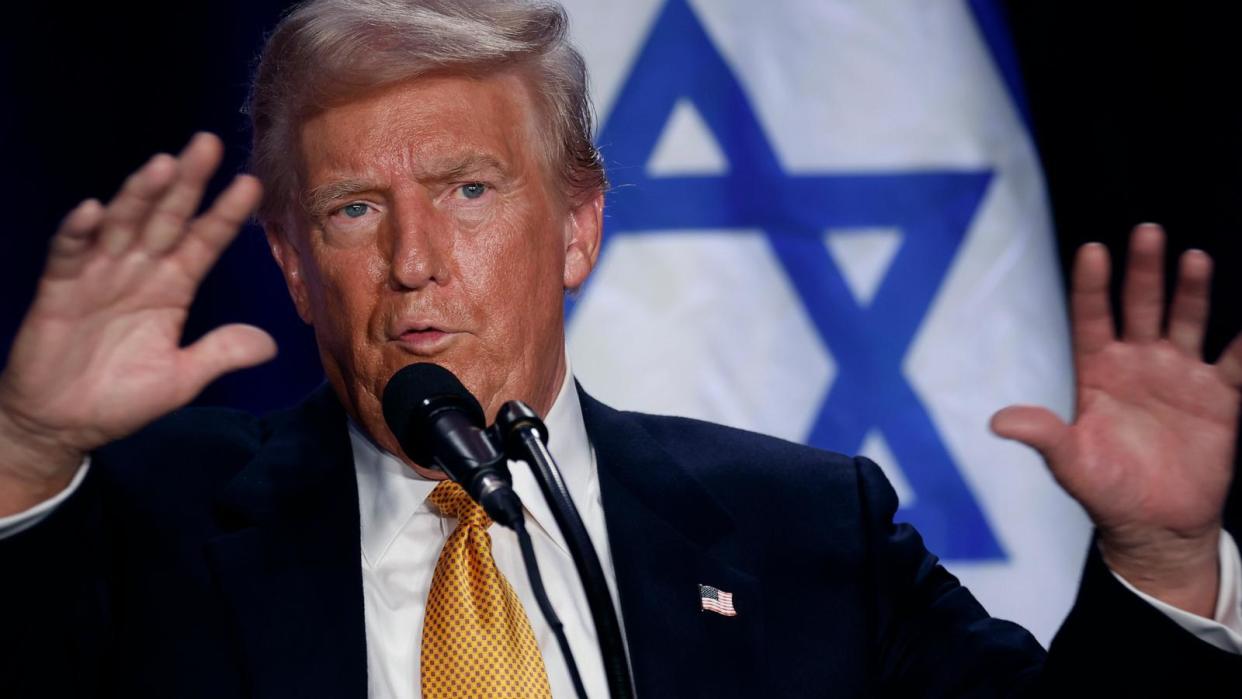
point(524, 437)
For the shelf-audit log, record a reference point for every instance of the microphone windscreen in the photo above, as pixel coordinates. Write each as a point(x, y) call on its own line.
point(415, 395)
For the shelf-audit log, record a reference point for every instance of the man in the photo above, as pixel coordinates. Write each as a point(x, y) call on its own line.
point(431, 192)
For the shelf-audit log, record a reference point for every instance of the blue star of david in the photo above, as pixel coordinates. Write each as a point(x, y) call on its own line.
point(868, 342)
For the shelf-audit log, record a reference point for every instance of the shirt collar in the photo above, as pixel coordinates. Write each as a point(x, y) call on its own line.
point(390, 493)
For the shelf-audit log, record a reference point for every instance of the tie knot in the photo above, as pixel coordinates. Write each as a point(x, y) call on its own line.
point(453, 501)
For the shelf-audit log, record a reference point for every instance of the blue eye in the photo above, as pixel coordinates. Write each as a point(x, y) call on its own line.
point(354, 210)
point(473, 190)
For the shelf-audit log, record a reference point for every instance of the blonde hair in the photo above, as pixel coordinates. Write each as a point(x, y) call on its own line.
point(324, 52)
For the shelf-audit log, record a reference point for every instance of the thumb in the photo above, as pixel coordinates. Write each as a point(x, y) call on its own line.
point(227, 348)
point(1036, 427)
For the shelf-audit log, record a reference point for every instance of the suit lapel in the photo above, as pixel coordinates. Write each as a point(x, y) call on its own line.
point(288, 563)
point(667, 535)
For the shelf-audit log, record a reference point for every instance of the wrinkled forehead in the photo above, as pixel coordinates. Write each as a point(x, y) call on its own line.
point(427, 126)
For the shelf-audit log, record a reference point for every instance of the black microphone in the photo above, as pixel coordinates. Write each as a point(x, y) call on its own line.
point(440, 425)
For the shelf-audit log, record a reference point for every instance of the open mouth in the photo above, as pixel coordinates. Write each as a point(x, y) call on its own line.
point(424, 340)
point(422, 333)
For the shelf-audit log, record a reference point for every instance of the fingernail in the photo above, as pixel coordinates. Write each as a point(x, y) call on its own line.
point(1196, 256)
point(1149, 233)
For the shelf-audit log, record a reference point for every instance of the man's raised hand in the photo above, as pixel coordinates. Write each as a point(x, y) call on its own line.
point(1150, 452)
point(99, 354)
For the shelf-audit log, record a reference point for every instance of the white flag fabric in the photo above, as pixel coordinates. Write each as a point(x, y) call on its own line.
point(828, 224)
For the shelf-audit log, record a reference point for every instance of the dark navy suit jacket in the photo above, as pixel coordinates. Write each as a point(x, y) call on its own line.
point(216, 554)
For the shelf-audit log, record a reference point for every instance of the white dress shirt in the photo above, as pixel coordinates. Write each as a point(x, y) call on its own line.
point(402, 538)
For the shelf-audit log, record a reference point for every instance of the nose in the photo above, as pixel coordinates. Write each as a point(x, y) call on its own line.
point(417, 244)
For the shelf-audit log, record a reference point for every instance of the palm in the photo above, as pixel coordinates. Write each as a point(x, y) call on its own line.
point(1153, 439)
point(99, 353)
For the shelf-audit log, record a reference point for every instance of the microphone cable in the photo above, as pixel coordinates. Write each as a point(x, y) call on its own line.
point(545, 604)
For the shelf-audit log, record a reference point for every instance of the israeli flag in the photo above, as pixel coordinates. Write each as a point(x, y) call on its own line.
point(828, 224)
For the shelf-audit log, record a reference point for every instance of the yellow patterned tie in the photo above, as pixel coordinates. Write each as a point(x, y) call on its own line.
point(477, 642)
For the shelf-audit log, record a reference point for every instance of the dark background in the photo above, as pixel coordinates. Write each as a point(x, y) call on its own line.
point(1134, 107)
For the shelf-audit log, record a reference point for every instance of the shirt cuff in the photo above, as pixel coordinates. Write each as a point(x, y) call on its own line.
point(20, 522)
point(1224, 630)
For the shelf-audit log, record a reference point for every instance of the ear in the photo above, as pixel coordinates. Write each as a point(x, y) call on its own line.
point(584, 230)
point(291, 267)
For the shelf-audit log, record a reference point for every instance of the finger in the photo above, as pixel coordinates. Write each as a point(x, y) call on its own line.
point(1142, 299)
point(73, 240)
point(1090, 308)
point(167, 221)
point(1038, 428)
point(130, 207)
point(1230, 363)
point(227, 348)
point(211, 233)
point(1189, 313)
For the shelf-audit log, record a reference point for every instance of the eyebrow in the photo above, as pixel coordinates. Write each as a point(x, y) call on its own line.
point(451, 169)
point(321, 197)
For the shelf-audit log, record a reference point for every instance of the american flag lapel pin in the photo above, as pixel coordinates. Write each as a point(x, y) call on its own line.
point(712, 599)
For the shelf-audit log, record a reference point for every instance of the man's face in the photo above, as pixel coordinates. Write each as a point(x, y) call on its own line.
point(435, 233)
